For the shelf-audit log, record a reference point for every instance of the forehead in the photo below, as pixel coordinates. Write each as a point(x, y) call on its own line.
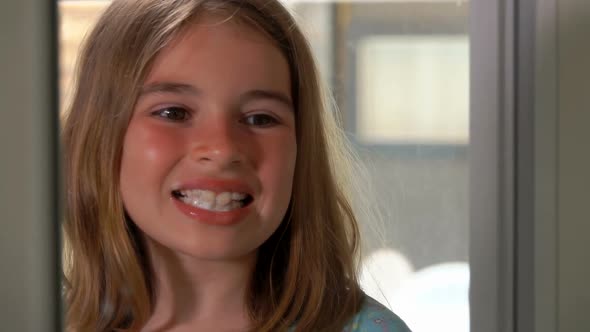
point(218, 49)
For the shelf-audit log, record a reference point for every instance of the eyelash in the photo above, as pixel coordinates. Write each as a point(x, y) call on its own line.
point(167, 110)
point(271, 120)
point(165, 114)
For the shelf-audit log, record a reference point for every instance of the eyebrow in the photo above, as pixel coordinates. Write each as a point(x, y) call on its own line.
point(187, 89)
point(267, 94)
point(169, 87)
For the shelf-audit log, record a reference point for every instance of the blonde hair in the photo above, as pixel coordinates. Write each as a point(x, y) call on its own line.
point(306, 271)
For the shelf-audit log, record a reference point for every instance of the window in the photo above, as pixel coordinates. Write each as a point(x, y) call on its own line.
point(399, 73)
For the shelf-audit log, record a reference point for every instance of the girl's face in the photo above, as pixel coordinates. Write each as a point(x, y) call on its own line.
point(209, 154)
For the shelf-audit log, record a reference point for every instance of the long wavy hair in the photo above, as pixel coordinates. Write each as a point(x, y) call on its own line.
point(306, 272)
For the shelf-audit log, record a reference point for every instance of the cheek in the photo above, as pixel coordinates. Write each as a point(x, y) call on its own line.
point(279, 169)
point(147, 145)
point(148, 154)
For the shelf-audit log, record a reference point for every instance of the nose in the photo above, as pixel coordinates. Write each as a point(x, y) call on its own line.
point(216, 143)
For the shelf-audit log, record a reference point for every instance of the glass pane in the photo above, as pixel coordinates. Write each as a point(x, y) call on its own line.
point(399, 73)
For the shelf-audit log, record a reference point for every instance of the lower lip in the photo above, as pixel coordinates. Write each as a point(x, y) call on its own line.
point(220, 218)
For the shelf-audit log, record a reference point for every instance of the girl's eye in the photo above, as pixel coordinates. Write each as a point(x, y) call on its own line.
point(175, 114)
point(260, 120)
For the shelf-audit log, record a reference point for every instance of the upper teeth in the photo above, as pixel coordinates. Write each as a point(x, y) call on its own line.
point(209, 200)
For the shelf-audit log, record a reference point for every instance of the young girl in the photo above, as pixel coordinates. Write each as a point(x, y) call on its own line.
point(205, 178)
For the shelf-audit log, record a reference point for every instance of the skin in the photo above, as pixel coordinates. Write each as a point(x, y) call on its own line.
point(213, 127)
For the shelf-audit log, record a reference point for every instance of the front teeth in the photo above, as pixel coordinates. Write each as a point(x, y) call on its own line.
point(223, 199)
point(209, 200)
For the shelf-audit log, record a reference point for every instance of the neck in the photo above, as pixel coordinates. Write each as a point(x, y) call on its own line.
point(195, 293)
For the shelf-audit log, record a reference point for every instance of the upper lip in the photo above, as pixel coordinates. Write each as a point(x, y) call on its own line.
point(216, 185)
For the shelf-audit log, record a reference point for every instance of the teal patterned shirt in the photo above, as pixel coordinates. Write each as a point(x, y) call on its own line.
point(374, 317)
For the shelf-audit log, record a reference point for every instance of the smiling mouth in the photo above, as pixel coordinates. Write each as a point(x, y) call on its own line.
point(212, 201)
